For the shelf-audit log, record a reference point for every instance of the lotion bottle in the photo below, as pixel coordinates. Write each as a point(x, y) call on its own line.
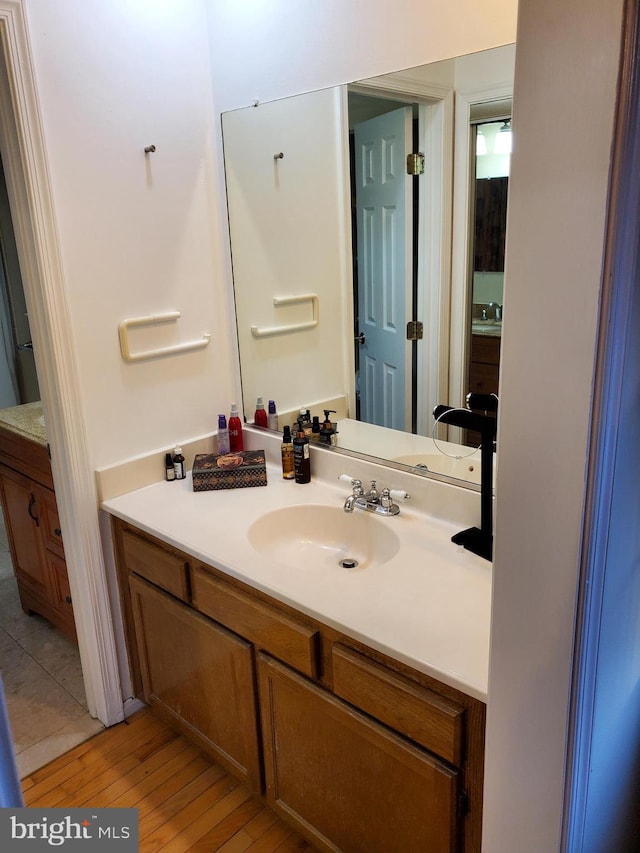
point(272, 416)
point(301, 456)
point(260, 418)
point(235, 430)
point(288, 469)
point(223, 436)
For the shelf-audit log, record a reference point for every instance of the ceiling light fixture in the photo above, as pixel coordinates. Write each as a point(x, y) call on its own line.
point(502, 144)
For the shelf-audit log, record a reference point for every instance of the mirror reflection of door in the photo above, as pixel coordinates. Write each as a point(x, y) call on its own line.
point(492, 154)
point(383, 228)
point(18, 379)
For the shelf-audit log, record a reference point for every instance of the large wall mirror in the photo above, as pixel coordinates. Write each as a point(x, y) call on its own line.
point(367, 228)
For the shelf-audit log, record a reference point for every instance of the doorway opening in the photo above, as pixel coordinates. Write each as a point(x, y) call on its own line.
point(42, 673)
point(397, 282)
point(18, 377)
point(490, 151)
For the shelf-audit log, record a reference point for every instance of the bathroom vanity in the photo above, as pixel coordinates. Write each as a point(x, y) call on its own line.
point(352, 700)
point(31, 517)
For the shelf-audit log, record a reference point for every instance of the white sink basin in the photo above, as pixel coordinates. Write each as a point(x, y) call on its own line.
point(468, 469)
point(313, 536)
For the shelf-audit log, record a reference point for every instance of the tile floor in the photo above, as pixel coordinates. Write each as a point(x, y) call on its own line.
point(42, 679)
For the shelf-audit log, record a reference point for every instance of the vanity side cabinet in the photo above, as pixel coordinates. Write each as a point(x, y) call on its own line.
point(346, 782)
point(199, 677)
point(155, 562)
point(34, 534)
point(484, 371)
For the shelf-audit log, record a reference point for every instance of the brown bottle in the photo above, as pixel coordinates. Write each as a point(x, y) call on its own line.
point(301, 457)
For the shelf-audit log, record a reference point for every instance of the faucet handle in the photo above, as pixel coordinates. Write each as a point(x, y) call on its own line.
point(356, 485)
point(399, 495)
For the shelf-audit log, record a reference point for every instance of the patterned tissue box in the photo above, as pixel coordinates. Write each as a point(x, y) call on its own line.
point(229, 470)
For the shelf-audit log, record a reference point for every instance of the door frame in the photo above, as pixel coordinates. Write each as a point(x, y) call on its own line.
point(28, 184)
point(435, 122)
point(462, 242)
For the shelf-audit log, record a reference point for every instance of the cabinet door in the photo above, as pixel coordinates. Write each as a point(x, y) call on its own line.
point(347, 782)
point(49, 520)
point(200, 676)
point(60, 595)
point(22, 517)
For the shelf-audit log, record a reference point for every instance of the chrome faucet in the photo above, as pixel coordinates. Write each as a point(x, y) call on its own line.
point(381, 502)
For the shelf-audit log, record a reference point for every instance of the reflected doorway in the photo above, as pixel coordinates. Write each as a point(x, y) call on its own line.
point(18, 378)
point(491, 151)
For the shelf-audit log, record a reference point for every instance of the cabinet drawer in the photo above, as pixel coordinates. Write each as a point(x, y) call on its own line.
point(483, 378)
point(413, 710)
point(485, 348)
point(162, 568)
point(282, 636)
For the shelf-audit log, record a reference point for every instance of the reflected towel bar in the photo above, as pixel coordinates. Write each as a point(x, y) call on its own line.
point(279, 301)
point(152, 320)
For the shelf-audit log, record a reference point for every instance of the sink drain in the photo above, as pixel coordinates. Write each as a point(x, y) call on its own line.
point(348, 563)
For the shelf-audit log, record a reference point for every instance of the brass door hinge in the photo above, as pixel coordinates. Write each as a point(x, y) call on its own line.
point(415, 163)
point(414, 330)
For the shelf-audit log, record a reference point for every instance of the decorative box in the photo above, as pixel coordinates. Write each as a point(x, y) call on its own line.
point(229, 470)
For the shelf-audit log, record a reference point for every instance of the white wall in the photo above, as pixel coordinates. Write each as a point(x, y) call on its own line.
point(142, 236)
point(138, 235)
point(566, 74)
point(267, 50)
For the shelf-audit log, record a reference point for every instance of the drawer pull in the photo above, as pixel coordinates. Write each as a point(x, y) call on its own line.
point(32, 503)
point(57, 531)
point(67, 599)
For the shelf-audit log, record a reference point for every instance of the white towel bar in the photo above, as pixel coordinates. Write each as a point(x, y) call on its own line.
point(153, 320)
point(280, 301)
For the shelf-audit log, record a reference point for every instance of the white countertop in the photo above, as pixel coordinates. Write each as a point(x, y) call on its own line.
point(429, 606)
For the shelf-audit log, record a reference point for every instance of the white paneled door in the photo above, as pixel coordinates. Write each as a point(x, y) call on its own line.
point(384, 239)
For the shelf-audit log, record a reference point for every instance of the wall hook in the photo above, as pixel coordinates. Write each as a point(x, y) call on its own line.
point(279, 156)
point(149, 149)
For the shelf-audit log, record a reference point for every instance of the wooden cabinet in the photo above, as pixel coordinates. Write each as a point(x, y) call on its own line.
point(200, 677)
point(345, 780)
point(490, 224)
point(485, 364)
point(484, 371)
point(357, 751)
point(34, 532)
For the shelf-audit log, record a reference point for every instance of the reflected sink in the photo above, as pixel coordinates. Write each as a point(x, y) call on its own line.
point(468, 469)
point(324, 536)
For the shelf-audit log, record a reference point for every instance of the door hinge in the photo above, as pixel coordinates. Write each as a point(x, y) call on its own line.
point(415, 163)
point(414, 330)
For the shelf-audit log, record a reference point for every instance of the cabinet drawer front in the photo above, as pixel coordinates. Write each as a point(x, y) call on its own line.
point(283, 637)
point(409, 708)
point(485, 349)
point(483, 378)
point(166, 570)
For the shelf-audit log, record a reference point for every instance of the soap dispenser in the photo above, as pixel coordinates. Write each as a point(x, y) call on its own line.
point(328, 430)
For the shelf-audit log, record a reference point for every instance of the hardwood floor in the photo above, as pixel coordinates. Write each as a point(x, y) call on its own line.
point(184, 800)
